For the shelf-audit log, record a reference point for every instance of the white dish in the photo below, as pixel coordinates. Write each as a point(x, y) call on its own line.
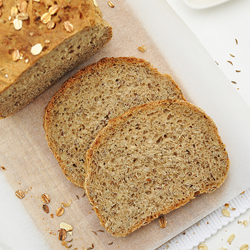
point(202, 4)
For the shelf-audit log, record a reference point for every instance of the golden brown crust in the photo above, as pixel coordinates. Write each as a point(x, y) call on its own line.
point(112, 124)
point(84, 16)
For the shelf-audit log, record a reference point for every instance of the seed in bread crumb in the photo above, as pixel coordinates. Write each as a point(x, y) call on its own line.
point(226, 213)
point(244, 247)
point(231, 238)
point(202, 246)
point(51, 25)
point(15, 55)
point(46, 18)
point(142, 48)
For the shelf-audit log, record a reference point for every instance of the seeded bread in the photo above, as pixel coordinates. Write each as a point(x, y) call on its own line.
point(40, 41)
point(97, 93)
point(151, 160)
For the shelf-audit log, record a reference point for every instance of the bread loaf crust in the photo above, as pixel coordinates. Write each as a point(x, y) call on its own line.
point(109, 88)
point(78, 32)
point(96, 157)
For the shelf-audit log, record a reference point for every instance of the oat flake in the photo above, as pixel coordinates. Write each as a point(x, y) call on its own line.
point(36, 49)
point(45, 198)
point(18, 24)
point(226, 213)
point(20, 194)
point(202, 246)
point(244, 247)
point(231, 238)
point(60, 211)
point(162, 222)
point(66, 226)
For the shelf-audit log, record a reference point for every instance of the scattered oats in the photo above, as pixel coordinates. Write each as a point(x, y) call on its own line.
point(233, 82)
point(51, 25)
point(236, 41)
point(142, 48)
point(15, 55)
point(226, 213)
point(233, 208)
point(26, 60)
point(68, 26)
point(45, 198)
point(95, 3)
point(232, 55)
point(230, 238)
point(20, 194)
point(66, 226)
point(3, 168)
point(22, 16)
point(62, 234)
point(53, 9)
point(45, 208)
point(202, 246)
point(242, 192)
point(162, 222)
point(36, 49)
point(110, 243)
point(226, 205)
point(13, 11)
point(111, 4)
point(244, 247)
point(230, 62)
point(47, 41)
point(237, 70)
point(17, 24)
point(60, 211)
point(45, 18)
point(245, 223)
point(94, 232)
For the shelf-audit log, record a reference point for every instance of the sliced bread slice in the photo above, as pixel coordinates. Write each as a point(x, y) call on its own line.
point(151, 160)
point(97, 93)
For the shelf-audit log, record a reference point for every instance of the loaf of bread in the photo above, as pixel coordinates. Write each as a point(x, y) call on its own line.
point(154, 158)
point(40, 41)
point(97, 93)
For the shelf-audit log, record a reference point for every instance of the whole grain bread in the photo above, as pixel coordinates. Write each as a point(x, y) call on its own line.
point(97, 93)
point(41, 41)
point(154, 158)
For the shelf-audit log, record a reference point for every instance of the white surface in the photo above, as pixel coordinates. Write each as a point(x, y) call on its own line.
point(216, 28)
point(202, 4)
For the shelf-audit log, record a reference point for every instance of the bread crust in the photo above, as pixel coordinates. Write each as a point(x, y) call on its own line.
point(76, 79)
point(111, 128)
point(21, 80)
